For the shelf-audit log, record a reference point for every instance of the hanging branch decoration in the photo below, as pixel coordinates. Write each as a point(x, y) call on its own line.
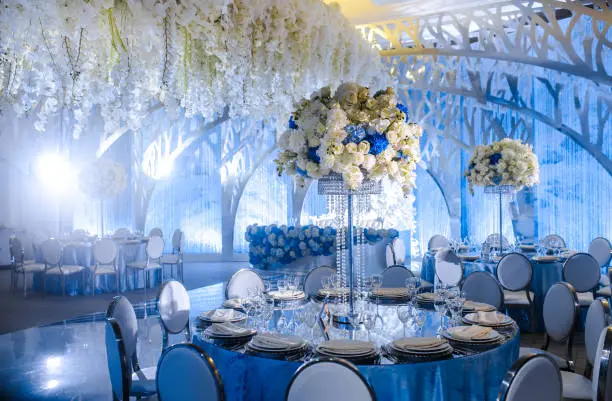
point(256, 57)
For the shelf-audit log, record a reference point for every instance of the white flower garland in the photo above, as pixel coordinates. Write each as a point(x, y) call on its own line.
point(353, 134)
point(255, 57)
point(505, 162)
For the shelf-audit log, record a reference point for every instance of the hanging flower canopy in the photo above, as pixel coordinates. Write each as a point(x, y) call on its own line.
point(244, 57)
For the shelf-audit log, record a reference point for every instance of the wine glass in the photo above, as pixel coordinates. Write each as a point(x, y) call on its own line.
point(420, 317)
point(369, 320)
point(291, 283)
point(282, 285)
point(268, 312)
point(403, 314)
point(440, 307)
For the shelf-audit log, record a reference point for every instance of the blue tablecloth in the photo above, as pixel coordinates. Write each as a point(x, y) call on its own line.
point(81, 254)
point(473, 378)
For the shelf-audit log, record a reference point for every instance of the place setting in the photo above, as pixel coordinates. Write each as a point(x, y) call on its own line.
point(221, 316)
point(472, 339)
point(418, 349)
point(278, 346)
point(473, 306)
point(229, 335)
point(391, 295)
point(358, 352)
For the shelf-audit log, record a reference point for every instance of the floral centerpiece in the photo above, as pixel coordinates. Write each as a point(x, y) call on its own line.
point(351, 133)
point(103, 179)
point(503, 163)
point(281, 244)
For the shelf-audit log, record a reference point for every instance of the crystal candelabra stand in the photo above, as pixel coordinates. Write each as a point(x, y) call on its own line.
point(500, 190)
point(341, 203)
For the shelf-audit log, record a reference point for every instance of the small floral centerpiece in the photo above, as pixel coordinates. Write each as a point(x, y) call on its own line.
point(503, 163)
point(351, 133)
point(102, 179)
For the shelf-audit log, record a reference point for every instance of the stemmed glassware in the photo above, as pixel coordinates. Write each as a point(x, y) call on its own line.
point(369, 320)
point(440, 306)
point(376, 283)
point(420, 317)
point(310, 318)
point(403, 314)
point(292, 283)
point(282, 285)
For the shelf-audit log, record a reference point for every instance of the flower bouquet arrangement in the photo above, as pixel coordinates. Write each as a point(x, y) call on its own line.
point(351, 133)
point(103, 179)
point(503, 163)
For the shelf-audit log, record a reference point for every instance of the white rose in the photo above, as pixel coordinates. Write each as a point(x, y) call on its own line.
point(368, 162)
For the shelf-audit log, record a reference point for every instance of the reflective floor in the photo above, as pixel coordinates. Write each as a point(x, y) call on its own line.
point(68, 361)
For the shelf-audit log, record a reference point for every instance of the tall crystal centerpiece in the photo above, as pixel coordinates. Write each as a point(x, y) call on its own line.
point(499, 191)
point(344, 203)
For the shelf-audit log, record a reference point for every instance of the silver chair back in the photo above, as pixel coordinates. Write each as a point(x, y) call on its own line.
point(240, 282)
point(597, 319)
point(449, 268)
point(105, 252)
point(514, 272)
point(483, 287)
point(52, 252)
point(312, 281)
point(602, 374)
point(122, 233)
point(582, 271)
point(155, 247)
point(395, 276)
point(601, 249)
point(553, 241)
point(560, 311)
point(329, 379)
point(156, 232)
point(177, 239)
point(533, 377)
point(173, 306)
point(118, 362)
point(438, 241)
point(17, 252)
point(123, 312)
point(185, 371)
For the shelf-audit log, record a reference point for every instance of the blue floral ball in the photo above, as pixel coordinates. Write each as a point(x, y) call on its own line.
point(356, 133)
point(378, 143)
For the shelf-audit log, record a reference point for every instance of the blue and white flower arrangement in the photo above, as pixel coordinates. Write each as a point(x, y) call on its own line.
point(351, 133)
point(506, 162)
point(280, 244)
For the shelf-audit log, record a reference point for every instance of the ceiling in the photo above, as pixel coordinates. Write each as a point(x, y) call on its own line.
point(368, 11)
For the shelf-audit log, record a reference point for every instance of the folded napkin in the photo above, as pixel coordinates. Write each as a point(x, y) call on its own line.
point(418, 343)
point(391, 292)
point(273, 341)
point(429, 296)
point(545, 258)
point(228, 329)
point(220, 315)
point(334, 291)
point(490, 318)
point(287, 294)
point(477, 306)
point(470, 333)
point(347, 346)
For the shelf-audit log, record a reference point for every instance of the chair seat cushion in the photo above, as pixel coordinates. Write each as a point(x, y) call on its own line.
point(517, 297)
point(170, 259)
point(104, 270)
point(585, 298)
point(143, 381)
point(31, 268)
point(142, 264)
point(576, 386)
point(66, 269)
point(605, 292)
point(561, 362)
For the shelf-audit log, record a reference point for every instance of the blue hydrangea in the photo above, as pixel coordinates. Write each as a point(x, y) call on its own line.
point(292, 123)
point(497, 179)
point(300, 171)
point(403, 109)
point(356, 133)
point(495, 158)
point(313, 156)
point(378, 143)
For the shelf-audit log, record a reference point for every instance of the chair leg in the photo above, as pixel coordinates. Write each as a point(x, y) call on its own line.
point(117, 282)
point(83, 283)
point(25, 285)
point(93, 284)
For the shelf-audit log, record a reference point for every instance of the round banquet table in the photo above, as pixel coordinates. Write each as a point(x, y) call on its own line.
point(545, 274)
point(464, 378)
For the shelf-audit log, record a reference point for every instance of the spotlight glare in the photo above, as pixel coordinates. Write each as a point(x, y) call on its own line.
point(54, 172)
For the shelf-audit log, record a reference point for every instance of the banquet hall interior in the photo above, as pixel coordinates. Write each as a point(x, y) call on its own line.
point(241, 200)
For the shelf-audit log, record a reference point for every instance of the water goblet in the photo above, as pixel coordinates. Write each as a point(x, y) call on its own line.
point(268, 312)
point(369, 320)
point(420, 317)
point(440, 307)
point(403, 314)
point(282, 285)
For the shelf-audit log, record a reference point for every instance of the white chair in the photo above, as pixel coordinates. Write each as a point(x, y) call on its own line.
point(176, 257)
point(483, 287)
point(122, 233)
point(124, 382)
point(142, 380)
point(533, 377)
point(597, 319)
point(105, 255)
point(582, 271)
point(21, 266)
point(329, 379)
point(156, 232)
point(312, 281)
point(438, 242)
point(154, 250)
point(239, 283)
point(395, 276)
point(553, 241)
point(186, 372)
point(599, 388)
point(514, 273)
point(395, 252)
point(173, 306)
point(448, 266)
point(52, 256)
point(560, 312)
